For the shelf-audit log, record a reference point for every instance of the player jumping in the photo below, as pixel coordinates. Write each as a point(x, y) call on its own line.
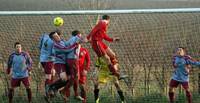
point(96, 37)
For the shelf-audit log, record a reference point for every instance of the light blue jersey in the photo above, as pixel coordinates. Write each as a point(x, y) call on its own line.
point(60, 57)
point(75, 53)
point(45, 46)
point(70, 48)
point(19, 63)
point(180, 64)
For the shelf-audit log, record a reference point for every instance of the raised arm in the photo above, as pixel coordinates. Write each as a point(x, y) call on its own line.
point(60, 48)
point(41, 42)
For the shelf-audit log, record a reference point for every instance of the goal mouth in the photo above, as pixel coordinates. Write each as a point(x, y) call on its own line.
point(148, 38)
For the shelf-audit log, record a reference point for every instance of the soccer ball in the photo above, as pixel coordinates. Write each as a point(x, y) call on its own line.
point(58, 21)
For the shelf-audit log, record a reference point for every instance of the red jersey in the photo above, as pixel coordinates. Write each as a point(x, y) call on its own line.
point(98, 33)
point(84, 59)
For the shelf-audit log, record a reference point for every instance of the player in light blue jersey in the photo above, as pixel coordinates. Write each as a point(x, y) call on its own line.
point(19, 65)
point(182, 64)
point(59, 62)
point(71, 49)
point(46, 58)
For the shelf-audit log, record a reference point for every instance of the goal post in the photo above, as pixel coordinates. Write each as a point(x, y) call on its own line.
point(148, 38)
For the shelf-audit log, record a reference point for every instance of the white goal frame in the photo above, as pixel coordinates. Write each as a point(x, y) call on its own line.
point(82, 12)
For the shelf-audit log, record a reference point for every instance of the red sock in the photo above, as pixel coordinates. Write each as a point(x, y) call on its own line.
point(189, 96)
point(67, 88)
point(10, 95)
point(29, 95)
point(75, 88)
point(171, 97)
point(48, 81)
point(83, 94)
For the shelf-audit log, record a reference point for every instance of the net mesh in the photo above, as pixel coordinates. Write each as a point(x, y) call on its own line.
point(144, 51)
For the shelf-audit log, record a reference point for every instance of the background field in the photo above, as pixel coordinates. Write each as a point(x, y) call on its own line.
point(145, 50)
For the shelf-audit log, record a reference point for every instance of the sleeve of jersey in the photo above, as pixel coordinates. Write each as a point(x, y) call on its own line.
point(29, 61)
point(193, 62)
point(9, 63)
point(60, 49)
point(40, 42)
point(92, 32)
point(87, 58)
point(105, 36)
point(173, 62)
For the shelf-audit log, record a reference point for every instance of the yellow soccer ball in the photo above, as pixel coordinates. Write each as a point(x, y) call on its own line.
point(58, 21)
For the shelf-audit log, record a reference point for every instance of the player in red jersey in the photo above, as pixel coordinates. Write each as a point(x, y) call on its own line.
point(96, 37)
point(84, 66)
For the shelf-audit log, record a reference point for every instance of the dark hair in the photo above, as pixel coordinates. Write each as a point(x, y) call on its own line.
point(16, 43)
point(180, 48)
point(105, 17)
point(75, 32)
point(59, 32)
point(51, 34)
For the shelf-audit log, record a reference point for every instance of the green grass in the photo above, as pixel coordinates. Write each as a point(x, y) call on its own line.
point(105, 98)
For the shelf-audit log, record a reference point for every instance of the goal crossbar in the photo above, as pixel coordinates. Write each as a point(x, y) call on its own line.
point(90, 12)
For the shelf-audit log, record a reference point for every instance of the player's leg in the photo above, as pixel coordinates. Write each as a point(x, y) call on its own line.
point(185, 85)
point(48, 76)
point(14, 83)
point(48, 66)
point(73, 65)
point(119, 91)
point(26, 83)
point(75, 86)
point(82, 85)
point(62, 80)
point(96, 92)
point(114, 61)
point(10, 94)
point(172, 85)
point(112, 55)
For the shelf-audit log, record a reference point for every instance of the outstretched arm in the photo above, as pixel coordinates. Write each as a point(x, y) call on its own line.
point(193, 62)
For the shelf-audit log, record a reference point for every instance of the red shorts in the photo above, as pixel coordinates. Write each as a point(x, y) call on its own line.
point(99, 47)
point(15, 82)
point(73, 68)
point(174, 84)
point(82, 78)
point(48, 66)
point(60, 68)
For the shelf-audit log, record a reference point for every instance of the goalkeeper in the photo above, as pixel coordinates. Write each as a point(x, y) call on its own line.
point(103, 77)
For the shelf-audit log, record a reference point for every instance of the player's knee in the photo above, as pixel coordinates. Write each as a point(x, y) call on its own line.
point(63, 76)
point(53, 72)
point(107, 58)
point(114, 60)
point(48, 76)
point(96, 86)
point(118, 87)
point(171, 89)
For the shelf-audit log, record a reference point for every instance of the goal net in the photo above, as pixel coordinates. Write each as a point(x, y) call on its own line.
point(147, 42)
